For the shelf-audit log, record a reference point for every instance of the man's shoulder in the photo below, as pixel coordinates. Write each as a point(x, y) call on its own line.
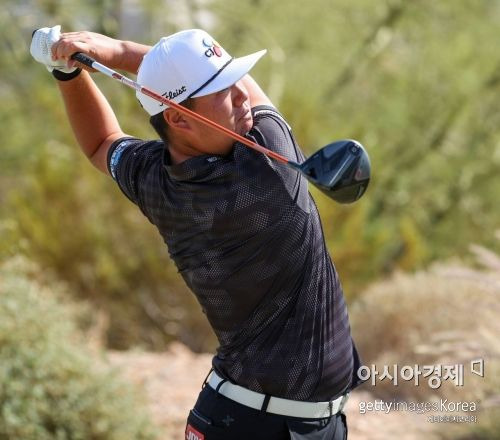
point(271, 130)
point(133, 142)
point(267, 111)
point(133, 148)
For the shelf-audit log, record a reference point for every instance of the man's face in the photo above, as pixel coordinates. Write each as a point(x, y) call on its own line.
point(231, 109)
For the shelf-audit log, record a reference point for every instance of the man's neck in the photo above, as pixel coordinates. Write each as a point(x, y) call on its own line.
point(180, 152)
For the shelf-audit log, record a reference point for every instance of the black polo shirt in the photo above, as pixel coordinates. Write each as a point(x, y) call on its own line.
point(246, 237)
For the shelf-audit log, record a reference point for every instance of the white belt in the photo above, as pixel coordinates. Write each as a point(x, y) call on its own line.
point(276, 405)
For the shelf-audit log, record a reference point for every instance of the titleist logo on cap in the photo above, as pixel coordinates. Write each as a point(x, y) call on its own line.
point(173, 94)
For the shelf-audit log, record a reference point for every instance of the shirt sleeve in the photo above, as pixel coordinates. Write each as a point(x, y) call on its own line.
point(129, 162)
point(272, 131)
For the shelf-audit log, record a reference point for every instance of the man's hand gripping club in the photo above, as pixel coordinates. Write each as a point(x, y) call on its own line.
point(41, 49)
point(54, 50)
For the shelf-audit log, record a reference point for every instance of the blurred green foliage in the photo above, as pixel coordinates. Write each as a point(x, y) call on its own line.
point(415, 81)
point(50, 387)
point(418, 84)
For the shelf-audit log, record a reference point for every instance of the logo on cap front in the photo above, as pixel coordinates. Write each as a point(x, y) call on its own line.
point(171, 94)
point(214, 48)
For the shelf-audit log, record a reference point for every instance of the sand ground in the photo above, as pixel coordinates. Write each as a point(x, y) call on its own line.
point(172, 381)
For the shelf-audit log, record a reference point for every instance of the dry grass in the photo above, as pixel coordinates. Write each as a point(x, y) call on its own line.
point(447, 315)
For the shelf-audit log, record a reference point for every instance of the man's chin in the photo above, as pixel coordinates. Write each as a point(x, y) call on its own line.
point(246, 126)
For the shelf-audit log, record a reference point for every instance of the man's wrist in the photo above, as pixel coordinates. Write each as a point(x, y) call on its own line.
point(61, 76)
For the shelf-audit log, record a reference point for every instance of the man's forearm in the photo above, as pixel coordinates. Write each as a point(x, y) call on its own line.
point(90, 115)
point(116, 54)
point(131, 56)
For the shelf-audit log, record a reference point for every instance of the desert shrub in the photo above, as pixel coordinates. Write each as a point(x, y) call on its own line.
point(118, 260)
point(50, 385)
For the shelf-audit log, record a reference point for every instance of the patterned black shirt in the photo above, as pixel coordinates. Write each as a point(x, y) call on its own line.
point(246, 237)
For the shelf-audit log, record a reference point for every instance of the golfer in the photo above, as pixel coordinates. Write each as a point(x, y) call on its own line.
point(243, 230)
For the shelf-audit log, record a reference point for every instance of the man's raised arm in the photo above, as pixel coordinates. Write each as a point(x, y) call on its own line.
point(91, 117)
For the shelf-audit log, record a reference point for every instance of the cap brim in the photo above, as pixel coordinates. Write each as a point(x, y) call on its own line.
point(232, 73)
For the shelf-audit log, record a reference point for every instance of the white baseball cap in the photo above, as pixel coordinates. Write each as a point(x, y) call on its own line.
point(189, 64)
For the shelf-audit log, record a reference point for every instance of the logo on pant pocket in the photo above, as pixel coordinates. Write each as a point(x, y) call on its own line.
point(193, 434)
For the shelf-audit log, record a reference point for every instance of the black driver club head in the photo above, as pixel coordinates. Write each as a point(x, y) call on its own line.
point(340, 169)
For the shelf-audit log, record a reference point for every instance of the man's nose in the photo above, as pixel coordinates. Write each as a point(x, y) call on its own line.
point(240, 94)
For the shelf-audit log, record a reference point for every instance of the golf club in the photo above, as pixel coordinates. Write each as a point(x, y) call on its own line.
point(340, 169)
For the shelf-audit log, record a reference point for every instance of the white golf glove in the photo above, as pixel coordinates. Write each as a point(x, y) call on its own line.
point(42, 42)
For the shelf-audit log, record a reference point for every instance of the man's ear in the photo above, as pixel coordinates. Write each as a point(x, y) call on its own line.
point(176, 120)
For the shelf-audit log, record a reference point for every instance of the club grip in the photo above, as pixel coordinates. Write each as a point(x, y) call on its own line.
point(82, 58)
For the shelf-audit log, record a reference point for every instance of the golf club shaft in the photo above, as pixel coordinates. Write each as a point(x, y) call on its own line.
point(90, 62)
